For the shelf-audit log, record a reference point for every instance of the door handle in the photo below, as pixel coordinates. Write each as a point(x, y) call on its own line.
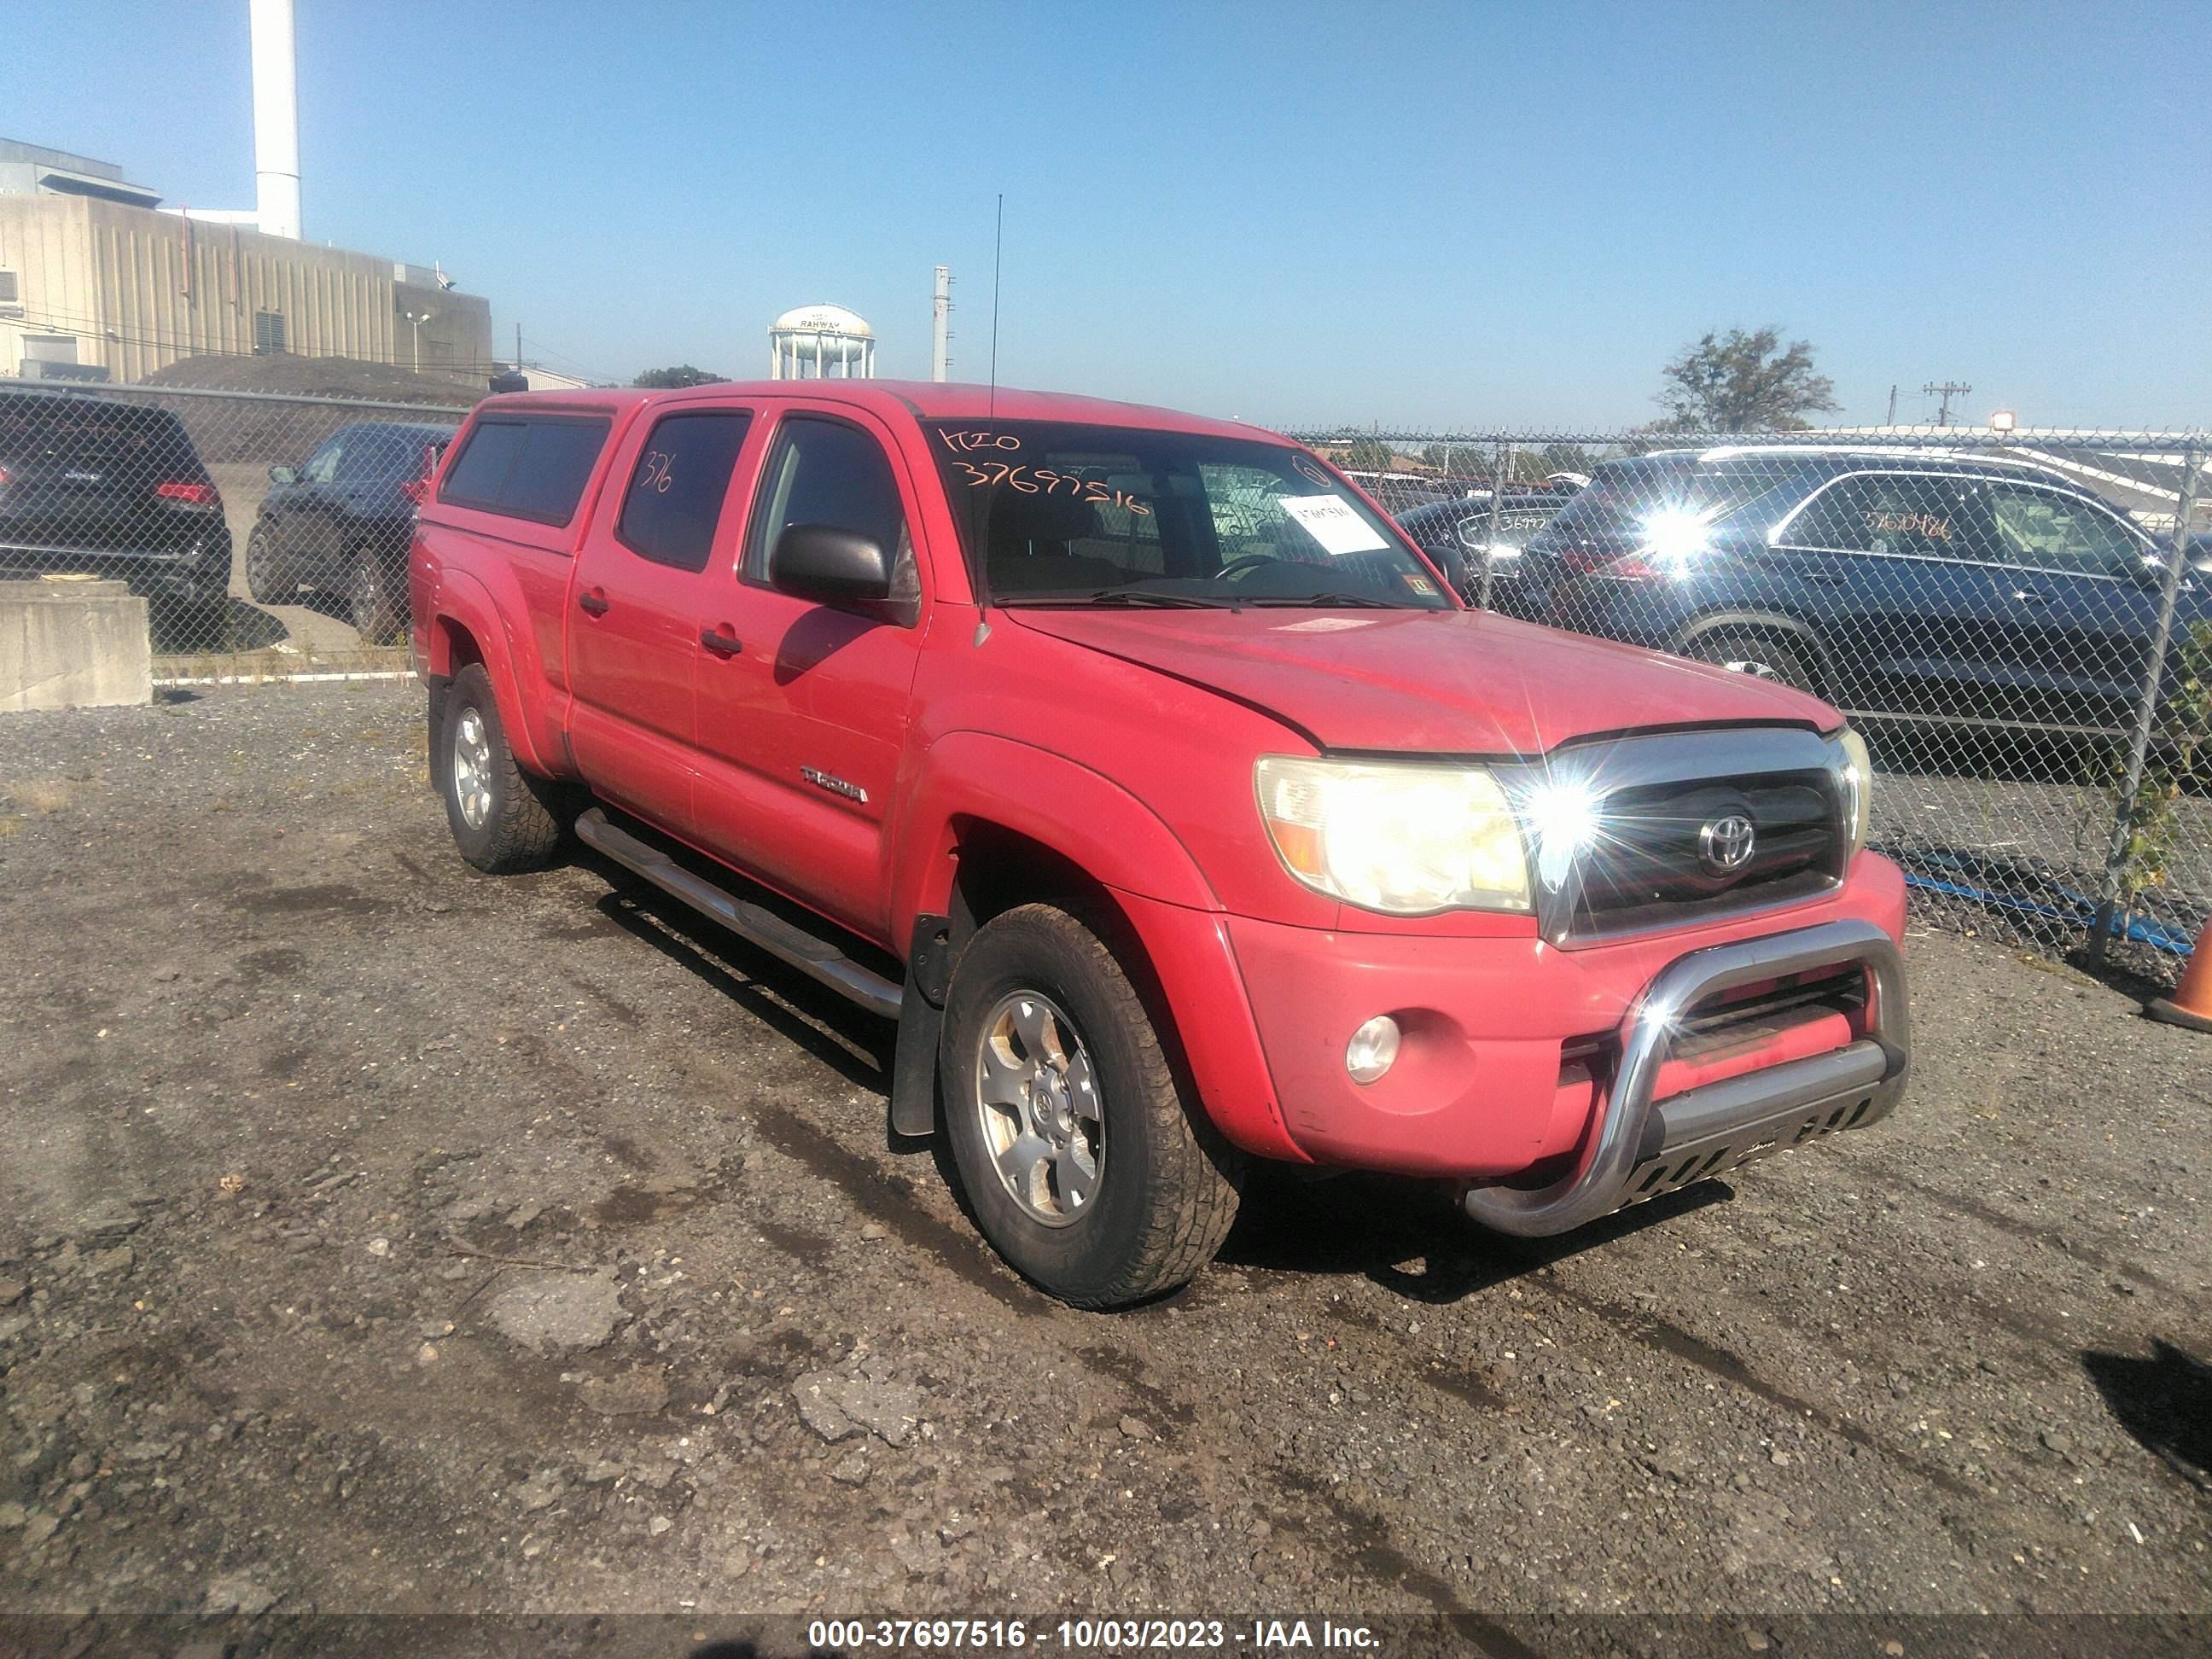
point(721, 644)
point(594, 602)
point(2031, 596)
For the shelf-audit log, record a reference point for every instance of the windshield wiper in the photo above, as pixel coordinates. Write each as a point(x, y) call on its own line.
point(1148, 598)
point(1326, 601)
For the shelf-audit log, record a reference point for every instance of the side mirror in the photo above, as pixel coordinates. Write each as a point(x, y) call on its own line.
point(830, 565)
point(283, 475)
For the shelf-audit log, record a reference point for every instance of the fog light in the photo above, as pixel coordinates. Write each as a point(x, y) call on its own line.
point(1373, 1049)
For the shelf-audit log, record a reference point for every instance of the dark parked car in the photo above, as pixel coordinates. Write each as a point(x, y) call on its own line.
point(1949, 585)
point(340, 522)
point(1455, 534)
point(88, 483)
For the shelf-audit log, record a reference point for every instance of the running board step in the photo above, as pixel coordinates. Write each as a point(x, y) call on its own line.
point(819, 958)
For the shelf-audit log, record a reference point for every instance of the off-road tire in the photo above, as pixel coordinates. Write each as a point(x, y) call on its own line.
point(1168, 1183)
point(372, 605)
point(1783, 663)
point(524, 824)
point(269, 578)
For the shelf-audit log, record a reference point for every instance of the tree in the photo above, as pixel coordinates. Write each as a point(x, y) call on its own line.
point(1739, 382)
point(1366, 455)
point(667, 380)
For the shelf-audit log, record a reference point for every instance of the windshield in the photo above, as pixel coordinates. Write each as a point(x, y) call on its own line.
point(1060, 514)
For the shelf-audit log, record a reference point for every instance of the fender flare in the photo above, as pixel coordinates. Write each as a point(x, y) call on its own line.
point(534, 735)
point(1082, 815)
point(1113, 837)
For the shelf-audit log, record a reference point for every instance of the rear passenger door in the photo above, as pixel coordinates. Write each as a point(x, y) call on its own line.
point(803, 707)
point(641, 586)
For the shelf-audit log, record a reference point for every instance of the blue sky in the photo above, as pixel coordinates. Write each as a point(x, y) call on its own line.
point(1459, 215)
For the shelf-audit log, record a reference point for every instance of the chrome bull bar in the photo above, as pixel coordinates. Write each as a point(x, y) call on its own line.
point(1640, 1149)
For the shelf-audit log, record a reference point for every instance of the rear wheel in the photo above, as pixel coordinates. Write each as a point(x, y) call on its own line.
point(1086, 1168)
point(1758, 655)
point(269, 577)
point(503, 818)
point(371, 601)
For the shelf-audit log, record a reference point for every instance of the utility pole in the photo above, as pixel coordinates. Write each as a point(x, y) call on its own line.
point(1892, 421)
point(518, 348)
point(1947, 390)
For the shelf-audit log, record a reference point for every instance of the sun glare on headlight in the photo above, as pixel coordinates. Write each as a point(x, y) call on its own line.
point(1563, 816)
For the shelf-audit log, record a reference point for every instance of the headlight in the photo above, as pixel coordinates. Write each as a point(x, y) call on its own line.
point(1854, 774)
point(1408, 839)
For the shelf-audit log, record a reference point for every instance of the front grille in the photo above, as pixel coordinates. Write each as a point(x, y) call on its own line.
point(1643, 869)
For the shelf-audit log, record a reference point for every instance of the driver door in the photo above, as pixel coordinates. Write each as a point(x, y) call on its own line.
point(2078, 593)
point(803, 710)
point(310, 524)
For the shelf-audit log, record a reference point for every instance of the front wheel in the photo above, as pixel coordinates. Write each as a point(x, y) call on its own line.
point(269, 577)
point(1757, 655)
point(1085, 1167)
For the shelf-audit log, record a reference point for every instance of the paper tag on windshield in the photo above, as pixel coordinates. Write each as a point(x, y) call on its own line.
point(1330, 521)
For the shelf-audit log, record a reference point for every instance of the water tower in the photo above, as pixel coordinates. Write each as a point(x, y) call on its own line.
point(816, 343)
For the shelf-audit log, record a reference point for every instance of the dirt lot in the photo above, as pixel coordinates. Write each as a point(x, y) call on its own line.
point(375, 1235)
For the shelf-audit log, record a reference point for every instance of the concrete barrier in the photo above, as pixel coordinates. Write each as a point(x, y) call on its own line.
point(73, 645)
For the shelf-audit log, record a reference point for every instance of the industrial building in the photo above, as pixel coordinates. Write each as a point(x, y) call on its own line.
point(96, 285)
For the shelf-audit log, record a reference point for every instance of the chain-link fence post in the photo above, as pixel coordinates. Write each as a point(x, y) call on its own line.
point(2177, 565)
point(1504, 466)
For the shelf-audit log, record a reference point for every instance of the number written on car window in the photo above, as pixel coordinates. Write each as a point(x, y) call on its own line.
point(1044, 480)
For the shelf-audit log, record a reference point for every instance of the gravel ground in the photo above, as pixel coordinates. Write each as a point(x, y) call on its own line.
point(379, 1236)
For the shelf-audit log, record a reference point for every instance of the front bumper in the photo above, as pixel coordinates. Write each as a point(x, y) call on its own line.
point(1485, 1089)
point(1638, 1147)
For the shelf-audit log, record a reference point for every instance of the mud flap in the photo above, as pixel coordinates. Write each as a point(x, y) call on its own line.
point(913, 1064)
point(921, 1023)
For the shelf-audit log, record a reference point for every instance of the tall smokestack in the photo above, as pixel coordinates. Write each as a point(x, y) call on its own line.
point(940, 330)
point(276, 121)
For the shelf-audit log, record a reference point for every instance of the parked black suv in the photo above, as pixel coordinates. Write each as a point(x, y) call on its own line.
point(1947, 584)
point(1455, 534)
point(339, 523)
point(90, 483)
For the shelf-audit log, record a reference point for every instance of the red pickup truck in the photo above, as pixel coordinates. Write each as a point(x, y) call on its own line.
point(1168, 799)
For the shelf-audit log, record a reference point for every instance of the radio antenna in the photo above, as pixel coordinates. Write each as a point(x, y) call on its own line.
point(997, 242)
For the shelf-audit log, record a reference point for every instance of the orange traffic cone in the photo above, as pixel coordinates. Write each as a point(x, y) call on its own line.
point(2191, 1005)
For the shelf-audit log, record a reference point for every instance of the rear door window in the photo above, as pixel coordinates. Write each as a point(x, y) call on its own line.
point(1920, 514)
point(674, 499)
point(525, 466)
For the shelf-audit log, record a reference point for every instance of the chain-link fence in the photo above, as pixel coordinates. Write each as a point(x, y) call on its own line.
point(2017, 621)
point(268, 534)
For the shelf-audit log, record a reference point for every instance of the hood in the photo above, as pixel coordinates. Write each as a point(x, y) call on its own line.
point(1459, 682)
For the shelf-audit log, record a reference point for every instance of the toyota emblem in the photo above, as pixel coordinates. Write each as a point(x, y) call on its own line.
point(1724, 845)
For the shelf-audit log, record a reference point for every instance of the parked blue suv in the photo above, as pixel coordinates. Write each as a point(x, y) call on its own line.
point(1947, 584)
